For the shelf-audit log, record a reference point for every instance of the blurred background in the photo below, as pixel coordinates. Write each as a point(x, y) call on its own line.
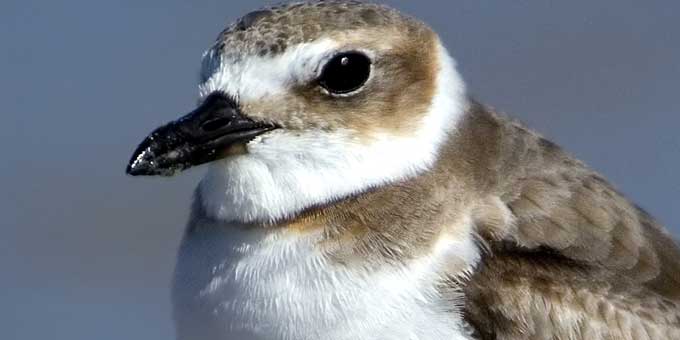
point(87, 253)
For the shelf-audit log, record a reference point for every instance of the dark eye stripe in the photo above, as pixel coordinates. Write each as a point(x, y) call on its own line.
point(345, 73)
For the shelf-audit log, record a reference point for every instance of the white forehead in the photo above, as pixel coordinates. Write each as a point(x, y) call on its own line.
point(286, 172)
point(253, 77)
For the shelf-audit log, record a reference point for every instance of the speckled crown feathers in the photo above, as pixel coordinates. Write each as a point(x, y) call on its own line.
point(270, 31)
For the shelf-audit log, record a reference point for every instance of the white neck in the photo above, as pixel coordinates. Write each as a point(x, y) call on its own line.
point(284, 172)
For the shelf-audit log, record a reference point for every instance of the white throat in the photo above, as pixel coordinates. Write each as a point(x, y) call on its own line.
point(284, 173)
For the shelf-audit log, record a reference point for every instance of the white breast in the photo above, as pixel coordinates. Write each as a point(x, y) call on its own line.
point(233, 283)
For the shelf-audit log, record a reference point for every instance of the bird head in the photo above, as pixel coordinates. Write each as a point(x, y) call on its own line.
point(312, 102)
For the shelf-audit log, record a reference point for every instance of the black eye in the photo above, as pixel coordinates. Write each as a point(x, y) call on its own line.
point(345, 73)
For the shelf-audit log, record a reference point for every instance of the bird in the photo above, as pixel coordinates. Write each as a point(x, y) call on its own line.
point(355, 190)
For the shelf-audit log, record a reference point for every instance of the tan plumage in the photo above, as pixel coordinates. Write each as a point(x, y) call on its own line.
point(576, 261)
point(567, 256)
point(495, 231)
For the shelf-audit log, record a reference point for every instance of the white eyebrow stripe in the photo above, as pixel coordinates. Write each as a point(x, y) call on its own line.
point(285, 173)
point(251, 78)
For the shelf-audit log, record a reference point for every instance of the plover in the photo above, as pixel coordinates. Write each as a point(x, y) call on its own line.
point(355, 191)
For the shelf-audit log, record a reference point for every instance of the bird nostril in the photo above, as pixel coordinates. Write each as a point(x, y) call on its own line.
point(214, 124)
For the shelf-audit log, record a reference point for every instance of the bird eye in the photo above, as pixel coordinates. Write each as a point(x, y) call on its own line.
point(345, 73)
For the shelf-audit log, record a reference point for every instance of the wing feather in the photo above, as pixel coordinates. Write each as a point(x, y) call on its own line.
point(574, 259)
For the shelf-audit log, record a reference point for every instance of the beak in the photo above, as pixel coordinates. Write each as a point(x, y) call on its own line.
point(200, 137)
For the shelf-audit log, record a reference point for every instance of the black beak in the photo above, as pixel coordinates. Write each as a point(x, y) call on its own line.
point(200, 137)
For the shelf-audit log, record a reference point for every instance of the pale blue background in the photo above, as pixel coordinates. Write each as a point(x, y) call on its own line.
point(87, 253)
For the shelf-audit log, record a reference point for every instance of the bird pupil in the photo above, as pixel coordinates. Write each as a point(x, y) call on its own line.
point(345, 73)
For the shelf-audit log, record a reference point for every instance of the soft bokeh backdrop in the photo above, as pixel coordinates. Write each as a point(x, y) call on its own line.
point(87, 253)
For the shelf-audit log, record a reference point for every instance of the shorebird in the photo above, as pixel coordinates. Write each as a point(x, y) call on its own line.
point(355, 191)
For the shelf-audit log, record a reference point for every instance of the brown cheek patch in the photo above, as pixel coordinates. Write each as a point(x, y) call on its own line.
point(394, 101)
point(290, 112)
point(399, 93)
